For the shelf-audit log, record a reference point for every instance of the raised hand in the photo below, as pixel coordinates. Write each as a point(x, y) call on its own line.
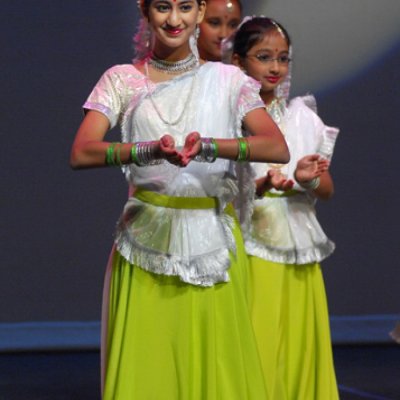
point(279, 181)
point(274, 179)
point(310, 167)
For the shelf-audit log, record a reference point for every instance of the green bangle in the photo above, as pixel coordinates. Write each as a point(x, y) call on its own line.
point(134, 157)
point(118, 155)
point(216, 152)
point(110, 154)
point(242, 151)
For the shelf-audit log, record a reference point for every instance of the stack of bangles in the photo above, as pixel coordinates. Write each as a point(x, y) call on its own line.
point(144, 153)
point(209, 150)
point(113, 154)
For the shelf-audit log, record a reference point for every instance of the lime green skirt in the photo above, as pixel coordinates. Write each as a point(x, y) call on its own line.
point(167, 340)
point(290, 319)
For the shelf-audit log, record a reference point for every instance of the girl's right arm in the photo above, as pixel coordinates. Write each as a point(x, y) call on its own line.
point(267, 141)
point(89, 148)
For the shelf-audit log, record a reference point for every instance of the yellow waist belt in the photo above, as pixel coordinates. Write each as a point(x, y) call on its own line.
point(190, 203)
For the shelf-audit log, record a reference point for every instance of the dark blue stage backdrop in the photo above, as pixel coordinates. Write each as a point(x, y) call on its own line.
point(57, 225)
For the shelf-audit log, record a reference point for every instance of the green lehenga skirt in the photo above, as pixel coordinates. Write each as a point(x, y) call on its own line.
point(167, 340)
point(291, 324)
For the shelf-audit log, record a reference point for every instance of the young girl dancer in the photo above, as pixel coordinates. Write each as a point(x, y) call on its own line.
point(221, 19)
point(177, 324)
point(283, 237)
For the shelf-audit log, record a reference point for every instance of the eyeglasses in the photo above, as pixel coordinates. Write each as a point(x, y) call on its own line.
point(266, 59)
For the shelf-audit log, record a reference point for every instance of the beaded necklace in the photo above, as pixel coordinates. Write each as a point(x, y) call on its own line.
point(173, 67)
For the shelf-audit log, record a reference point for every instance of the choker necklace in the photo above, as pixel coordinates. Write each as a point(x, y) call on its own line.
point(173, 67)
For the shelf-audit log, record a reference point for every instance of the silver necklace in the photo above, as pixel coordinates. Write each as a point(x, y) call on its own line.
point(185, 103)
point(173, 67)
point(276, 109)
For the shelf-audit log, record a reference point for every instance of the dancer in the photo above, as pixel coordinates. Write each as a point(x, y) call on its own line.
point(221, 19)
point(177, 320)
point(283, 238)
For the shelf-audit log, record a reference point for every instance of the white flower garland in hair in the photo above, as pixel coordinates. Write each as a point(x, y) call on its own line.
point(227, 43)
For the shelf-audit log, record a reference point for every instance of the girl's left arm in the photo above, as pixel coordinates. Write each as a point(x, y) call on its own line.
point(325, 189)
point(312, 173)
point(266, 143)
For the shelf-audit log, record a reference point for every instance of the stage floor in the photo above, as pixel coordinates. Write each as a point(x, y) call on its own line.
point(363, 372)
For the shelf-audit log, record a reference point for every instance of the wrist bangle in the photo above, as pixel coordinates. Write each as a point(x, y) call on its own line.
point(243, 150)
point(216, 149)
point(110, 160)
point(118, 154)
point(144, 153)
point(134, 158)
point(208, 152)
point(311, 185)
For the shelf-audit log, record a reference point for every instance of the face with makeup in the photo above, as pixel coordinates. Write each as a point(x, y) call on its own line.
point(221, 19)
point(173, 22)
point(268, 62)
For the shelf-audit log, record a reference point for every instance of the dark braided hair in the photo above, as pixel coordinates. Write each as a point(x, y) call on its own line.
point(145, 4)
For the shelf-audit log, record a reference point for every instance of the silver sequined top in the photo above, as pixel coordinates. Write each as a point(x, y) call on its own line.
point(214, 98)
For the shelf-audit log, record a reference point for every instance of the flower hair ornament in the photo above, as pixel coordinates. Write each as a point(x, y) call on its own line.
point(143, 38)
point(227, 43)
point(282, 91)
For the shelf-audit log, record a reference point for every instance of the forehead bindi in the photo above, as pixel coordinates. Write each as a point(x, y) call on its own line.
point(273, 42)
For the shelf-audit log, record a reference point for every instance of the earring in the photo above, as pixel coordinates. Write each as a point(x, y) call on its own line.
point(193, 43)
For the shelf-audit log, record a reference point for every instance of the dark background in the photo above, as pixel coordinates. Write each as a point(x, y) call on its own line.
point(57, 224)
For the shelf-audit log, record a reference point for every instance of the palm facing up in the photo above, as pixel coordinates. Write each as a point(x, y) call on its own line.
point(310, 167)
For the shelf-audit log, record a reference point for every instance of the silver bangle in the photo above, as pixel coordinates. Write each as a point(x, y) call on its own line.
point(311, 185)
point(208, 152)
point(146, 153)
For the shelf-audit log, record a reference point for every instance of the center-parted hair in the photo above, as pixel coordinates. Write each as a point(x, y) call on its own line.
point(253, 32)
point(145, 4)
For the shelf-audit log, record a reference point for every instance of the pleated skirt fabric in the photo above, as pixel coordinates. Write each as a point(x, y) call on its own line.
point(291, 324)
point(167, 340)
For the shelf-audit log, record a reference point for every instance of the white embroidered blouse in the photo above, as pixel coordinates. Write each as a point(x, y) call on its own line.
point(212, 99)
point(285, 229)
